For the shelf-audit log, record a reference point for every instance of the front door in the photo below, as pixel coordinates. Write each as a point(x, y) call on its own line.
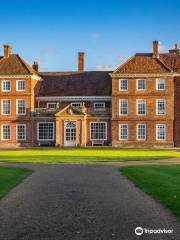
point(70, 134)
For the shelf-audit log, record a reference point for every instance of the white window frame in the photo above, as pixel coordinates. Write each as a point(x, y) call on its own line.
point(137, 135)
point(4, 114)
point(17, 85)
point(2, 135)
point(137, 84)
point(157, 104)
point(17, 125)
point(157, 125)
point(20, 114)
point(51, 103)
point(99, 109)
point(4, 90)
point(105, 132)
point(120, 85)
point(139, 114)
point(38, 132)
point(120, 138)
point(121, 114)
point(76, 103)
point(158, 89)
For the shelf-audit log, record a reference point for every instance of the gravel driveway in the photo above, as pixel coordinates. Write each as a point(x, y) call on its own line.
point(80, 202)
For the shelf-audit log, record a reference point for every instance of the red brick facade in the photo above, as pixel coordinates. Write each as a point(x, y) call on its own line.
point(84, 108)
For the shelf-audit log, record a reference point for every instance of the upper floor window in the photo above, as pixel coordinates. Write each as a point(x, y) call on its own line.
point(123, 107)
point(99, 106)
point(160, 84)
point(141, 84)
point(20, 107)
point(6, 106)
point(160, 132)
point(21, 131)
point(141, 131)
point(123, 131)
point(160, 106)
point(141, 107)
point(6, 85)
point(5, 132)
point(123, 85)
point(20, 85)
point(76, 104)
point(51, 105)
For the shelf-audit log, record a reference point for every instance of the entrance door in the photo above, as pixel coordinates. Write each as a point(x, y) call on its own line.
point(70, 134)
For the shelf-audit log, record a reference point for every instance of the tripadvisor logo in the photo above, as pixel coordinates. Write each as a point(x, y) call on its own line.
point(139, 231)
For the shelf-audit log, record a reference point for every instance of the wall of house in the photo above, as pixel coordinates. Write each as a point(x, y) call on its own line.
point(151, 119)
point(177, 111)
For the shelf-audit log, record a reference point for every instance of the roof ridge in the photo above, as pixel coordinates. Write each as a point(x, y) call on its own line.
point(167, 67)
point(26, 65)
point(128, 60)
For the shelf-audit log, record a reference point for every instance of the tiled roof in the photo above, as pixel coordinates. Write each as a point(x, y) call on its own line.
point(171, 60)
point(15, 65)
point(143, 63)
point(91, 83)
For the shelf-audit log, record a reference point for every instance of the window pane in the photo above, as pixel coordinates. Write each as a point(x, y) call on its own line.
point(21, 131)
point(161, 107)
point(46, 131)
point(6, 107)
point(141, 107)
point(160, 131)
point(98, 131)
point(123, 85)
point(123, 107)
point(123, 131)
point(161, 84)
point(21, 107)
point(141, 84)
point(6, 132)
point(141, 131)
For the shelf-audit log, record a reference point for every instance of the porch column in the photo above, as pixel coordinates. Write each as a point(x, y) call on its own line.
point(83, 127)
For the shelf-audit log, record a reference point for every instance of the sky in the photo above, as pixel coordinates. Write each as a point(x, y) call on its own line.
point(52, 32)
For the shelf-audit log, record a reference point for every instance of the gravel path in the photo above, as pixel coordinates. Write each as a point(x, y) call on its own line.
point(80, 202)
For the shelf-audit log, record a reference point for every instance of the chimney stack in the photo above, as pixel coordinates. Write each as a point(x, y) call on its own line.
point(35, 66)
point(7, 50)
point(155, 49)
point(175, 50)
point(81, 62)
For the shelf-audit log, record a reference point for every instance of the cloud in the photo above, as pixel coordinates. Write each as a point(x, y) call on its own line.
point(104, 67)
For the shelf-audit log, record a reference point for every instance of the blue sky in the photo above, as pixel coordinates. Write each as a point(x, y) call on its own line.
point(52, 32)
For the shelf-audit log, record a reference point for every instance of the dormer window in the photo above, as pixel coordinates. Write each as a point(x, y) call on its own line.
point(52, 105)
point(99, 106)
point(76, 104)
point(6, 85)
point(20, 85)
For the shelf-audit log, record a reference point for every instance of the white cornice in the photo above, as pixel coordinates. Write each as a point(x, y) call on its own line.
point(74, 98)
point(137, 75)
point(34, 76)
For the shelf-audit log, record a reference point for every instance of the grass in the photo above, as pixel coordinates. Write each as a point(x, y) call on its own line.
point(160, 182)
point(86, 155)
point(10, 177)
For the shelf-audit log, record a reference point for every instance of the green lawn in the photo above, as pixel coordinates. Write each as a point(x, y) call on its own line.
point(160, 182)
point(86, 155)
point(10, 177)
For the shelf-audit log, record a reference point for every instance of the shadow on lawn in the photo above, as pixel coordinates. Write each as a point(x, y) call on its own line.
point(77, 159)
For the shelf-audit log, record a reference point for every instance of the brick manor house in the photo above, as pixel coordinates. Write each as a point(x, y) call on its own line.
point(138, 104)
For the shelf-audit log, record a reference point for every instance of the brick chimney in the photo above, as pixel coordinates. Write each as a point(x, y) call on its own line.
point(35, 66)
point(175, 50)
point(81, 61)
point(7, 50)
point(155, 49)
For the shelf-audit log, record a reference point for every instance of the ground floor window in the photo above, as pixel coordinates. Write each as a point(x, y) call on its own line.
point(5, 132)
point(98, 131)
point(160, 132)
point(45, 131)
point(123, 131)
point(141, 131)
point(21, 131)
